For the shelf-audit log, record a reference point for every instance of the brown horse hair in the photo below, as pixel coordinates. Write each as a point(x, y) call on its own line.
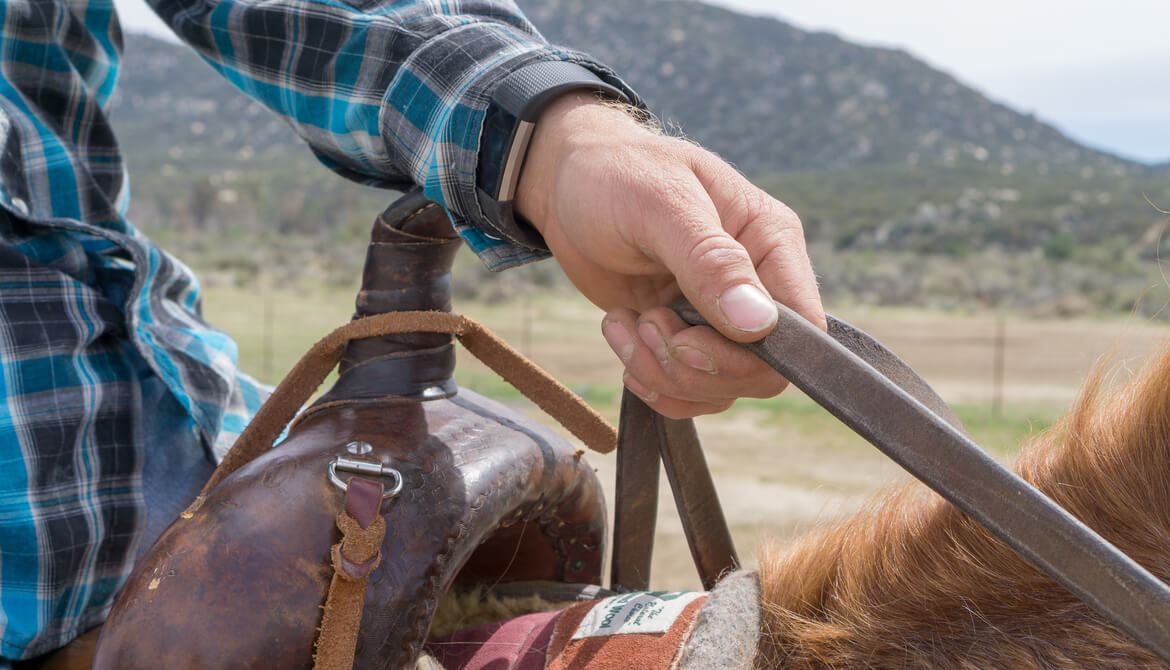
point(910, 582)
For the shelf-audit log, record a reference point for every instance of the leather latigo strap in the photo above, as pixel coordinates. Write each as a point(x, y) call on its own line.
point(894, 416)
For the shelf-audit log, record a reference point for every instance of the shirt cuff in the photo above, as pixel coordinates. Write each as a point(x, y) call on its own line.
point(432, 122)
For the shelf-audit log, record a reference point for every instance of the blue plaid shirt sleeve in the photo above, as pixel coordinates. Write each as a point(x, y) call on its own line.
point(386, 92)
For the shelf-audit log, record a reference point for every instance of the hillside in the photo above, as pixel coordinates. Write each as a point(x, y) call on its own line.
point(771, 97)
point(883, 156)
point(765, 95)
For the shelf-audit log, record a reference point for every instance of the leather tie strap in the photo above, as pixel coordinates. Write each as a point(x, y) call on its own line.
point(298, 385)
point(354, 558)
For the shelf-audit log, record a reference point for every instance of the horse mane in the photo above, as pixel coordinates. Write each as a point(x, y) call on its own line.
point(911, 582)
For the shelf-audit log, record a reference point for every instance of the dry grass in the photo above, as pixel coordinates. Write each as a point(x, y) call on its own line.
point(780, 465)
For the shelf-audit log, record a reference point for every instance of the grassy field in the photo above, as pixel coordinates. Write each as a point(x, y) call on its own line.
point(783, 464)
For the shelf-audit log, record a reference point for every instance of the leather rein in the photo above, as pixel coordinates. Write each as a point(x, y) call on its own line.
point(847, 372)
point(882, 399)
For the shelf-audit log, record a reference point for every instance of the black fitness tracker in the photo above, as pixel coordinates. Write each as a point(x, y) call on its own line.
point(508, 125)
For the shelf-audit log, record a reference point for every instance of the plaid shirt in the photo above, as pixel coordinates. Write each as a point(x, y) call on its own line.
point(385, 92)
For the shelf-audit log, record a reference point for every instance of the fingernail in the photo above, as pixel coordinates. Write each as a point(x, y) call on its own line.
point(619, 340)
point(747, 308)
point(694, 358)
point(638, 389)
point(652, 337)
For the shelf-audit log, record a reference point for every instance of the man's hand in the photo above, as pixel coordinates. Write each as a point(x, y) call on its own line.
point(635, 219)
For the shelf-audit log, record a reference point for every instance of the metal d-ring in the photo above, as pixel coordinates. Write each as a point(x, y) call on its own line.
point(364, 468)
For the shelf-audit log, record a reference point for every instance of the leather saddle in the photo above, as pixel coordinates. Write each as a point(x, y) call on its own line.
point(486, 496)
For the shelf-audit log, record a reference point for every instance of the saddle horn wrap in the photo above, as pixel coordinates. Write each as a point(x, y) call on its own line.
point(487, 497)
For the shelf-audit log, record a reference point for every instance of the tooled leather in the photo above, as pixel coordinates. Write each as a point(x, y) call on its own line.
point(248, 567)
point(460, 537)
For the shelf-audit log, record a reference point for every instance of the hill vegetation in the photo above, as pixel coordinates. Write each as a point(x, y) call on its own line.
point(771, 97)
point(914, 188)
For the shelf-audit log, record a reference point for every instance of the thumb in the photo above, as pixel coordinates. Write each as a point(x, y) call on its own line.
point(717, 275)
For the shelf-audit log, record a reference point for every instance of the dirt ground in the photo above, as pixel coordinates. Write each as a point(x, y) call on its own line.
point(778, 472)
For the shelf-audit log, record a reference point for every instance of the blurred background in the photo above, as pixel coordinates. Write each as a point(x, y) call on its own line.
point(980, 183)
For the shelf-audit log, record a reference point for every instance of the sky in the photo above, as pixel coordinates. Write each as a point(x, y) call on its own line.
point(1099, 71)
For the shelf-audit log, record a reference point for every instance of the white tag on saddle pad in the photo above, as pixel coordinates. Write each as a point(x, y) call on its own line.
point(640, 612)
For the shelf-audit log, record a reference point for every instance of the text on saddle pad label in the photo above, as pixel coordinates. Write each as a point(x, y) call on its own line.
point(641, 612)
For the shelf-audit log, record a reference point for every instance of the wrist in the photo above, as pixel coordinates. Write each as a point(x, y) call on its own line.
point(549, 139)
point(509, 122)
point(573, 121)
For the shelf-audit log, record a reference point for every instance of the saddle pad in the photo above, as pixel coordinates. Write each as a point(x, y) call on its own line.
point(652, 627)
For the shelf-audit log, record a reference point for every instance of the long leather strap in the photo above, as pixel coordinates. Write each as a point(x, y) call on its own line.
point(945, 459)
point(308, 373)
point(694, 497)
point(635, 496)
point(643, 437)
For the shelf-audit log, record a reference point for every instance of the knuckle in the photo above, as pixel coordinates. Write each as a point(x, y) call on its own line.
point(789, 272)
point(754, 204)
point(705, 159)
point(714, 251)
point(779, 256)
point(784, 215)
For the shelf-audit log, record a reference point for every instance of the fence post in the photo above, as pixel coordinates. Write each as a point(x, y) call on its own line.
point(266, 335)
point(525, 322)
point(998, 366)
